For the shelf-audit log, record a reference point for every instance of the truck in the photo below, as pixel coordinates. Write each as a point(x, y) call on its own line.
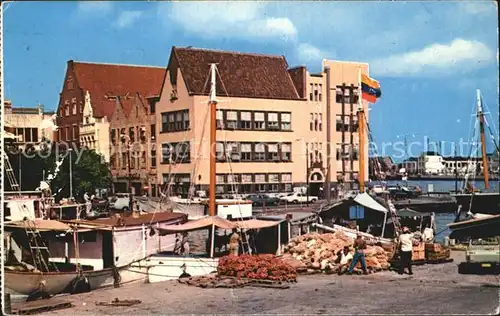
point(482, 255)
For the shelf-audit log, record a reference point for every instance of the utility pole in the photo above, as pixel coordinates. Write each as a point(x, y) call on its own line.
point(307, 174)
point(327, 190)
point(70, 175)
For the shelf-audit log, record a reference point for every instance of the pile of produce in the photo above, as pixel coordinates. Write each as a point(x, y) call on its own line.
point(436, 252)
point(264, 267)
point(318, 252)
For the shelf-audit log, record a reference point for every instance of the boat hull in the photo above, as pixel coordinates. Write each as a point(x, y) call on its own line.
point(164, 267)
point(486, 203)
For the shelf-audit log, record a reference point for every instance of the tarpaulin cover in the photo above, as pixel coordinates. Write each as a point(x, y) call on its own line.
point(39, 224)
point(256, 224)
point(367, 201)
point(198, 224)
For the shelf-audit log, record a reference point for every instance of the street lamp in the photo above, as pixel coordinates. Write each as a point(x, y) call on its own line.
point(70, 175)
point(126, 138)
point(307, 169)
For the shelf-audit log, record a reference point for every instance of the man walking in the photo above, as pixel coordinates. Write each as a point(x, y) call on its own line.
point(405, 250)
point(359, 255)
point(234, 243)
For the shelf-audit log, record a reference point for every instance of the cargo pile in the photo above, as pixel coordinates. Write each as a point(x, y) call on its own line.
point(313, 253)
point(418, 252)
point(262, 267)
point(436, 252)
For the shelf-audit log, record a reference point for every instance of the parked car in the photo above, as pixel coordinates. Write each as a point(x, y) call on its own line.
point(482, 255)
point(263, 199)
point(298, 198)
point(120, 202)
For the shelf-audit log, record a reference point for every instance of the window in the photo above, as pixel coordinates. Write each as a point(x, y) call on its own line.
point(112, 161)
point(259, 120)
point(356, 212)
point(27, 135)
point(286, 121)
point(35, 134)
point(260, 152)
point(272, 152)
point(246, 152)
point(320, 122)
point(142, 133)
point(131, 134)
point(182, 152)
point(186, 119)
point(133, 157)
point(74, 130)
point(70, 83)
point(320, 93)
point(273, 177)
point(246, 120)
point(175, 121)
point(66, 108)
point(272, 121)
point(339, 95)
point(81, 107)
point(67, 133)
point(246, 178)
point(124, 161)
point(262, 188)
point(286, 177)
point(311, 91)
point(219, 189)
point(143, 160)
point(152, 106)
point(153, 131)
point(153, 158)
point(220, 178)
point(73, 107)
point(316, 121)
point(286, 152)
point(164, 122)
point(233, 151)
point(166, 153)
point(231, 120)
point(260, 178)
point(219, 119)
point(113, 136)
point(219, 151)
point(311, 121)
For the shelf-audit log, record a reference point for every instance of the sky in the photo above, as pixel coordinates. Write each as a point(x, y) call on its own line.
point(429, 56)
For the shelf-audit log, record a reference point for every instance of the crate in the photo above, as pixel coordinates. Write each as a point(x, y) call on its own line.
point(418, 255)
point(433, 247)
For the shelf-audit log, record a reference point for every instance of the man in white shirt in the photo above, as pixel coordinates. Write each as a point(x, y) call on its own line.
point(405, 250)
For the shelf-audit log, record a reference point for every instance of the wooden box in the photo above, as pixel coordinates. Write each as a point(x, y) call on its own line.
point(433, 247)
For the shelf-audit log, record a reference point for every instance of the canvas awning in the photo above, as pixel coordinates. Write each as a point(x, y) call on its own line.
point(39, 224)
point(256, 224)
point(367, 201)
point(8, 135)
point(204, 222)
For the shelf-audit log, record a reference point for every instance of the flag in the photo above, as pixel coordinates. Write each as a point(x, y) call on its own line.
point(370, 89)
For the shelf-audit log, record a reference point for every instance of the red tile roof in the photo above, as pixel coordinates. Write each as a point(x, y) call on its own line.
point(149, 218)
point(243, 75)
point(112, 79)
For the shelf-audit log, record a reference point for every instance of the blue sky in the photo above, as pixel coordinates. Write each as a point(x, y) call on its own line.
point(428, 56)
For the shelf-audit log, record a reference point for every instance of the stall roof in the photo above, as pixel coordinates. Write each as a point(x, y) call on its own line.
point(256, 224)
point(148, 218)
point(367, 201)
point(208, 221)
point(204, 222)
point(408, 212)
point(39, 224)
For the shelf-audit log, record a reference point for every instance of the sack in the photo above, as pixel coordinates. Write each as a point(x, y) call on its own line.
point(415, 242)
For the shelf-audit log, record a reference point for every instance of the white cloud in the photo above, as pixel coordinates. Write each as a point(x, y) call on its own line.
point(127, 18)
point(239, 19)
point(309, 53)
point(459, 55)
point(94, 7)
point(478, 7)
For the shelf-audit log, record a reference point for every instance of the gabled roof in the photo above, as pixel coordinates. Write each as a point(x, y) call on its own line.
point(113, 79)
point(243, 75)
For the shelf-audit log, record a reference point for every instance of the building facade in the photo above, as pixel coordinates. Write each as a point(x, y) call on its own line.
point(28, 125)
point(132, 142)
point(263, 137)
point(92, 94)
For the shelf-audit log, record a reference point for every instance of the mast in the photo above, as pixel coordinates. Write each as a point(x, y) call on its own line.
point(480, 116)
point(328, 191)
point(213, 130)
point(361, 124)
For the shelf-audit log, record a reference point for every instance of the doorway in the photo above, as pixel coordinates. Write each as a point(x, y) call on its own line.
point(107, 249)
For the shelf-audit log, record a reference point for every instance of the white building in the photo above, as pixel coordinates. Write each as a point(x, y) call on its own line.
point(431, 164)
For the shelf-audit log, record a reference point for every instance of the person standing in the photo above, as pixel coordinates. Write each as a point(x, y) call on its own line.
point(405, 250)
point(184, 244)
point(359, 255)
point(234, 243)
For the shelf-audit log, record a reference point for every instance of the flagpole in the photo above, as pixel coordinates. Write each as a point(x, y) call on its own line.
point(361, 157)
